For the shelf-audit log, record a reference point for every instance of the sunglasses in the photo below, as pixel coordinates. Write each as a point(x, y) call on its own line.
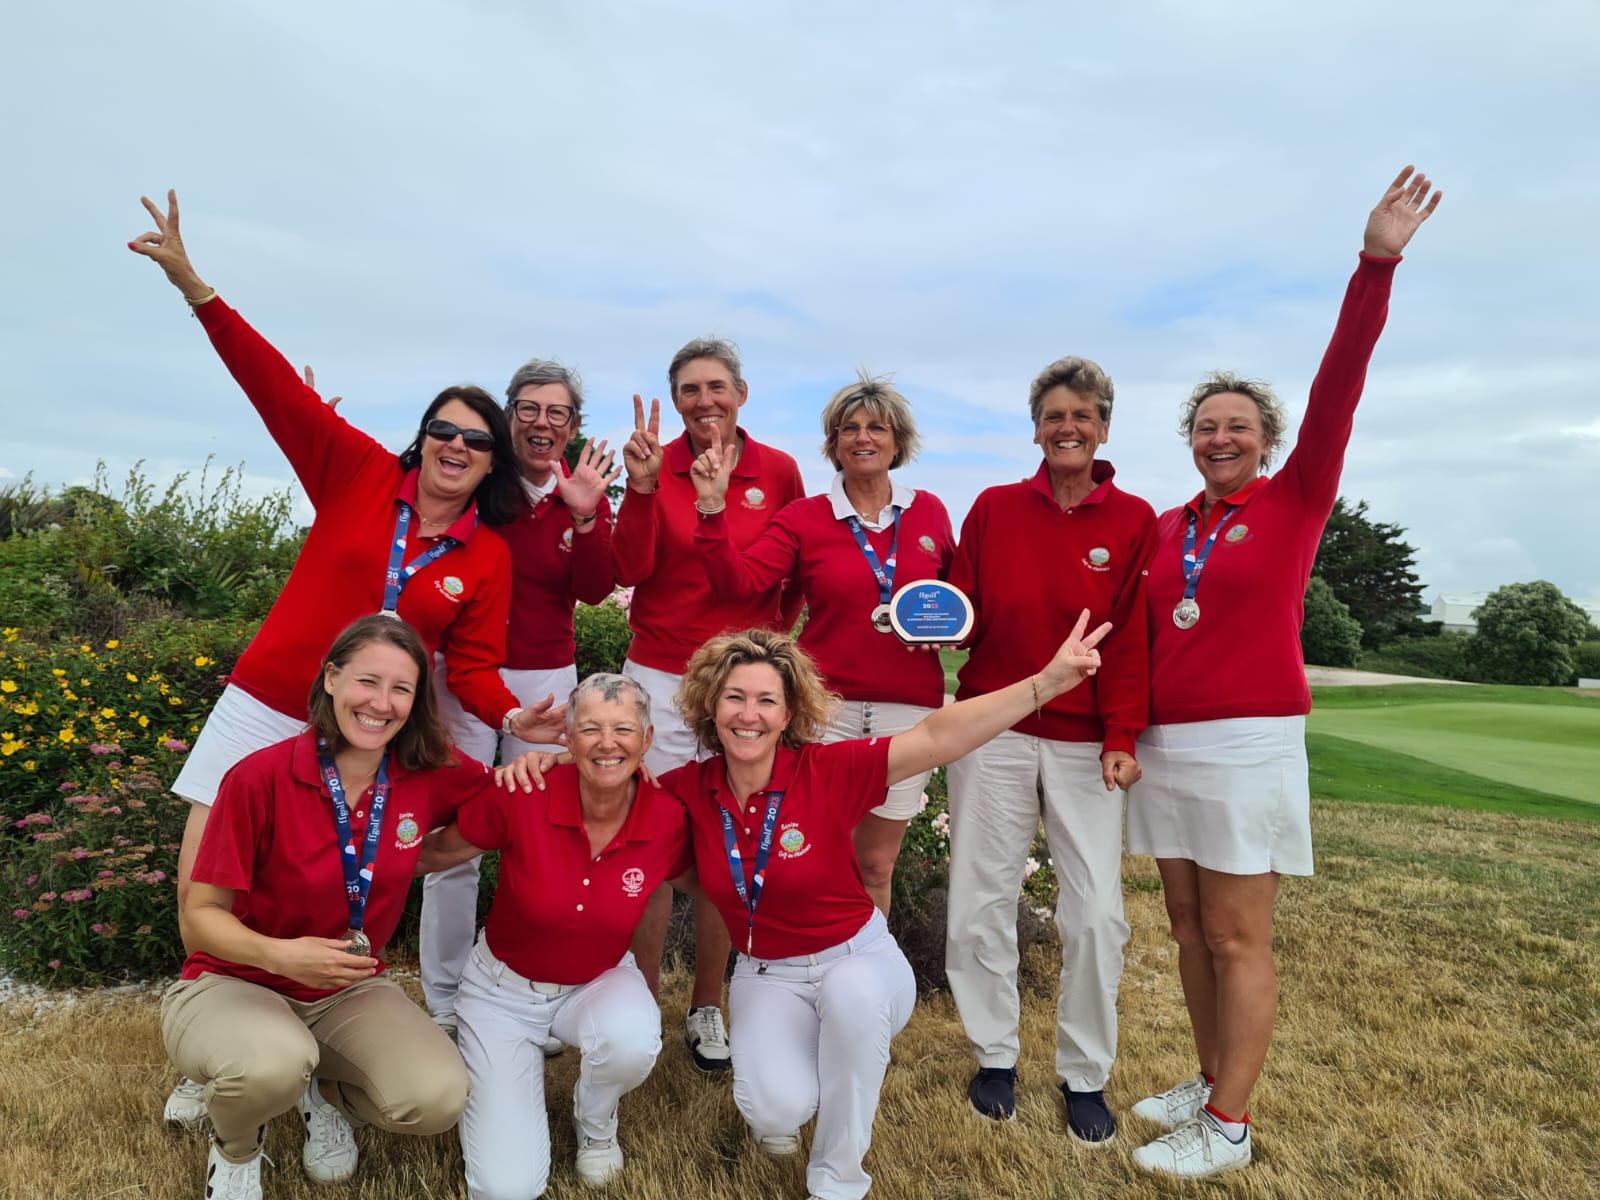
point(527, 411)
point(447, 431)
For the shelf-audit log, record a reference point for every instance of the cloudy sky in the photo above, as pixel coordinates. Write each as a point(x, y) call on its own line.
point(414, 194)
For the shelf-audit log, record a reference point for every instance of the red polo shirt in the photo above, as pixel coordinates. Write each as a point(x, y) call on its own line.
point(1029, 568)
point(813, 896)
point(552, 567)
point(562, 914)
point(807, 542)
point(270, 839)
point(1243, 657)
point(674, 608)
point(353, 482)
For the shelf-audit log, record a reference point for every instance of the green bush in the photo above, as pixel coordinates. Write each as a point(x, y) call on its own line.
point(601, 634)
point(1526, 634)
point(1329, 635)
point(1443, 656)
point(1585, 661)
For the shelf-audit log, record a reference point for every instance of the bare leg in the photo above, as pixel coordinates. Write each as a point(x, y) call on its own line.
point(650, 937)
point(1180, 887)
point(711, 946)
point(1236, 912)
point(877, 846)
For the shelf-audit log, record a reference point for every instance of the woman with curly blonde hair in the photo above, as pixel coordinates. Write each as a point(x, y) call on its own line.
point(820, 987)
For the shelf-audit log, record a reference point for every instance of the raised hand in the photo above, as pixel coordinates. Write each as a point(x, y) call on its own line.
point(710, 474)
point(597, 470)
point(320, 963)
point(642, 453)
point(164, 246)
point(544, 721)
point(311, 382)
point(1395, 217)
point(1077, 658)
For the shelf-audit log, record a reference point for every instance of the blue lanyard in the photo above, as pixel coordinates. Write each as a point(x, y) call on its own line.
point(883, 574)
point(750, 895)
point(357, 871)
point(1194, 563)
point(398, 576)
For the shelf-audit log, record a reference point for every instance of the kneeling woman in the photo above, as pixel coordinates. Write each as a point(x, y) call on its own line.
point(299, 881)
point(578, 862)
point(820, 986)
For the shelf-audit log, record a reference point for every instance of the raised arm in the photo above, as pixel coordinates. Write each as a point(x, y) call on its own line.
point(1402, 208)
point(164, 247)
point(956, 729)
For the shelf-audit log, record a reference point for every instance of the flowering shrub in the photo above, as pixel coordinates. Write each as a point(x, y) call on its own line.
point(601, 633)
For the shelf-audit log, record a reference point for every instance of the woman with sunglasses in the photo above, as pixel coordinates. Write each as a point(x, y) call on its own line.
point(401, 534)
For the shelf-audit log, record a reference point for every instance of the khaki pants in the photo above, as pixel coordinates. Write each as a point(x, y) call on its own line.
point(255, 1050)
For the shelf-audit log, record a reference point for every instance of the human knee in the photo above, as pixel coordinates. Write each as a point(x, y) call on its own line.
point(1187, 929)
point(1095, 918)
point(428, 1103)
point(877, 868)
point(774, 1105)
point(272, 1081)
point(1228, 935)
point(627, 1049)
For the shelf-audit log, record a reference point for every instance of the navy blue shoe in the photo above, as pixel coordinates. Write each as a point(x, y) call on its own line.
point(1089, 1121)
point(993, 1093)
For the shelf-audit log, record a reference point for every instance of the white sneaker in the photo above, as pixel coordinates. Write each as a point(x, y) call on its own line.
point(1194, 1150)
point(599, 1160)
point(1179, 1103)
point(707, 1039)
point(186, 1103)
point(230, 1180)
point(779, 1145)
point(330, 1153)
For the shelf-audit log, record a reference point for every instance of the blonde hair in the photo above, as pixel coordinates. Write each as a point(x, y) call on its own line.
point(875, 396)
point(1273, 418)
point(810, 704)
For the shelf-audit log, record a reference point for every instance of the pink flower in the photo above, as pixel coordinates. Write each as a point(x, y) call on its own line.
point(97, 927)
point(143, 930)
point(176, 746)
point(79, 852)
point(54, 964)
point(47, 895)
point(74, 896)
point(104, 748)
point(115, 810)
point(31, 880)
point(104, 874)
point(20, 914)
point(67, 786)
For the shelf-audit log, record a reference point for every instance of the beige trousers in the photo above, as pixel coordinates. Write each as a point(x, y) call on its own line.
point(255, 1050)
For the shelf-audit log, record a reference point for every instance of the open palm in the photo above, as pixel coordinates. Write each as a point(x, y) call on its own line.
point(1396, 216)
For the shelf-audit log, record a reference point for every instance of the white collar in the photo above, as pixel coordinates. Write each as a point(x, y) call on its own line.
point(538, 491)
point(900, 496)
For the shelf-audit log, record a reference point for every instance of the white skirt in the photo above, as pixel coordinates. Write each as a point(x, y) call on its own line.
point(1233, 796)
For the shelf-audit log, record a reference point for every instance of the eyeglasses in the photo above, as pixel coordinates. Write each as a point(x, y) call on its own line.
point(527, 411)
point(447, 431)
point(876, 428)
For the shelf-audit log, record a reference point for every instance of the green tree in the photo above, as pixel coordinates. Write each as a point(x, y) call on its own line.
point(1329, 635)
point(1526, 634)
point(1371, 569)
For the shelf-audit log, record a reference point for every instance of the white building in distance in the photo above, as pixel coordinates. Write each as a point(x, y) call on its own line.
point(1455, 610)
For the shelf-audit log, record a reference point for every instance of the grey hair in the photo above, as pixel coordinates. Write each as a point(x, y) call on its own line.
point(721, 349)
point(547, 370)
point(874, 394)
point(1273, 418)
point(609, 687)
point(1079, 375)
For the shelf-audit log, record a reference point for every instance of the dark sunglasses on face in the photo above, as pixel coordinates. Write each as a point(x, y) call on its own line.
point(446, 431)
point(527, 411)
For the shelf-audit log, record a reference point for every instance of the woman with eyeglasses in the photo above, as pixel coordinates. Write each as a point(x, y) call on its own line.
point(560, 543)
point(401, 534)
point(850, 549)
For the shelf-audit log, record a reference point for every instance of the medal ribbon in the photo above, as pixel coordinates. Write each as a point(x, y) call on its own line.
point(1194, 563)
point(357, 868)
point(750, 895)
point(397, 576)
point(883, 574)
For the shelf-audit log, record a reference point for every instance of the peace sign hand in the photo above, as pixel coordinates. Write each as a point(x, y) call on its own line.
point(641, 455)
point(710, 475)
point(164, 246)
point(1076, 659)
point(1398, 214)
point(583, 490)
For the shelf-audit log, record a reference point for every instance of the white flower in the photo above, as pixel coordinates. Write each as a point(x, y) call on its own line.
point(1029, 867)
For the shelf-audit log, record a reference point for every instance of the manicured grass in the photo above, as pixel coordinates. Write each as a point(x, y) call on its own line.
point(951, 661)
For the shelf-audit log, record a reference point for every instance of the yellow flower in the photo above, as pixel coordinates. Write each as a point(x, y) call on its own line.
point(86, 648)
point(108, 712)
point(174, 701)
point(58, 672)
point(200, 660)
point(66, 735)
point(144, 722)
point(132, 678)
point(28, 708)
point(69, 694)
point(7, 685)
point(29, 765)
point(113, 644)
point(10, 633)
point(8, 747)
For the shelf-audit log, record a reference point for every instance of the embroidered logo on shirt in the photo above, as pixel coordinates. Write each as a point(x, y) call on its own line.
point(925, 543)
point(754, 497)
point(633, 881)
point(1097, 559)
point(406, 831)
point(454, 586)
point(1237, 534)
point(566, 538)
point(792, 841)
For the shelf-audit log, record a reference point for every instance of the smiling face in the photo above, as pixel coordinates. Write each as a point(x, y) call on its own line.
point(372, 694)
point(538, 444)
point(607, 740)
point(1069, 431)
point(1228, 442)
point(707, 398)
point(451, 471)
point(751, 713)
point(864, 444)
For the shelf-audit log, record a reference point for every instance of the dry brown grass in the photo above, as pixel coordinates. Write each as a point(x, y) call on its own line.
point(1440, 1037)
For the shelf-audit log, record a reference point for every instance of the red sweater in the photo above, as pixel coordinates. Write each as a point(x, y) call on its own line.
point(1029, 569)
point(1243, 658)
point(808, 543)
point(552, 567)
point(354, 483)
point(674, 609)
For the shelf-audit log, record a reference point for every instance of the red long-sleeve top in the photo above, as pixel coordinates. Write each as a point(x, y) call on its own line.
point(1029, 568)
point(807, 542)
point(552, 567)
point(674, 608)
point(1243, 657)
point(355, 485)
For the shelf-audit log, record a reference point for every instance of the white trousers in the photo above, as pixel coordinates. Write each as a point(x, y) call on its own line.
point(505, 1021)
point(997, 795)
point(674, 742)
point(449, 919)
point(812, 1036)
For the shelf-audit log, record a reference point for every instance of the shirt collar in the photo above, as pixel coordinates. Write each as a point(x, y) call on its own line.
point(1233, 499)
point(1100, 472)
point(536, 492)
point(899, 495)
point(460, 529)
point(306, 767)
point(566, 806)
point(783, 767)
point(678, 455)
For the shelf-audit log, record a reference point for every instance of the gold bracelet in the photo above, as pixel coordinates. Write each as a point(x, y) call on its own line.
point(709, 512)
point(211, 294)
point(1034, 681)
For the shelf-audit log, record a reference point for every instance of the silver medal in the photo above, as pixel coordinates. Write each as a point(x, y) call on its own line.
point(880, 619)
point(359, 945)
point(1186, 613)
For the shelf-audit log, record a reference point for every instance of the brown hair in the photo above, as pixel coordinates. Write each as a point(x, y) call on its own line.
point(810, 704)
point(422, 742)
point(1273, 419)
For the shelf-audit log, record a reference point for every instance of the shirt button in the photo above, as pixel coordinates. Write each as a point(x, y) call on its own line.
point(360, 812)
point(752, 808)
point(580, 908)
point(747, 829)
point(585, 883)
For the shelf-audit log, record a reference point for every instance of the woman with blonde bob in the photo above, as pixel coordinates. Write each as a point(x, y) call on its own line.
point(849, 550)
point(819, 987)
